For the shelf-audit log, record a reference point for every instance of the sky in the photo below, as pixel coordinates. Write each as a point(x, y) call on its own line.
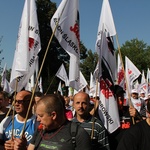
point(131, 18)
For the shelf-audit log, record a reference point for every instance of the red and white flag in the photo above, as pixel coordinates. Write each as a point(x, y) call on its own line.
point(131, 72)
point(61, 73)
point(120, 74)
point(67, 33)
point(27, 47)
point(108, 108)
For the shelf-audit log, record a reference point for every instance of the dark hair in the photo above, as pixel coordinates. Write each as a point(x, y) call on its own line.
point(38, 94)
point(118, 89)
point(52, 103)
point(5, 94)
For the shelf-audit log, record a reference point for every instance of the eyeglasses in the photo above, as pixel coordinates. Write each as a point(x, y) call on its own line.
point(21, 101)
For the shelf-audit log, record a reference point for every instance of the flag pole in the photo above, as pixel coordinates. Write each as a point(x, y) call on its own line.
point(49, 86)
point(13, 114)
point(41, 70)
point(129, 96)
point(94, 109)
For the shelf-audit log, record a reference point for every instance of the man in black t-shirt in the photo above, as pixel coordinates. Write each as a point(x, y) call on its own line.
point(137, 137)
point(56, 129)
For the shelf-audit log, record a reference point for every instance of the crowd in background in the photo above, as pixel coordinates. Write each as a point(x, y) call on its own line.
point(49, 122)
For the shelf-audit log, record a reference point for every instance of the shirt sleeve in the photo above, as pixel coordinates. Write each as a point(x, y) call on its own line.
point(2, 127)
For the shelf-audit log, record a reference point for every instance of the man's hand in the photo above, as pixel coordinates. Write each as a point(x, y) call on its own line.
point(9, 145)
point(20, 144)
point(132, 111)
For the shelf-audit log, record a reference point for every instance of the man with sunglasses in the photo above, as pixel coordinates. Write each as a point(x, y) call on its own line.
point(21, 107)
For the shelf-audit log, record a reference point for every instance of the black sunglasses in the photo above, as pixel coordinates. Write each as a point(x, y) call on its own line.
point(21, 101)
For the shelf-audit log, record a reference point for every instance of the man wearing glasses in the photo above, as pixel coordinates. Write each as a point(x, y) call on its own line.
point(21, 106)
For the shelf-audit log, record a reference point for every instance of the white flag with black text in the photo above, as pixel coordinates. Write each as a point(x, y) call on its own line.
point(67, 33)
point(27, 47)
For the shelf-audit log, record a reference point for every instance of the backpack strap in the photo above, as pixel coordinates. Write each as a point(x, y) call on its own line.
point(73, 128)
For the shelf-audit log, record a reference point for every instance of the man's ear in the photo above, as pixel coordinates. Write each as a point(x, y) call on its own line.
point(54, 115)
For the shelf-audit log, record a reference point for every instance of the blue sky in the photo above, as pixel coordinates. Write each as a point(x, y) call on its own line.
point(132, 20)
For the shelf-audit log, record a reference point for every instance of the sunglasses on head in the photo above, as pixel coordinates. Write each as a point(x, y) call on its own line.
point(21, 101)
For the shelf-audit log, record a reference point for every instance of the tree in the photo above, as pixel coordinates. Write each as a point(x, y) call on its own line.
point(88, 64)
point(138, 52)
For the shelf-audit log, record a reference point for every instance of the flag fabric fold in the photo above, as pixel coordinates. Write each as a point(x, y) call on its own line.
point(27, 47)
point(60, 88)
point(120, 74)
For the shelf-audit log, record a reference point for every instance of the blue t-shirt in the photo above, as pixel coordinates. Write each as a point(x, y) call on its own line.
point(18, 126)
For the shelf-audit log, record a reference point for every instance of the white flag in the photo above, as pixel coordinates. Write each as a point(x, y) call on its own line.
point(131, 72)
point(83, 82)
point(106, 19)
point(120, 74)
point(27, 47)
point(148, 75)
point(3, 76)
point(61, 73)
point(4, 82)
point(67, 33)
point(143, 85)
point(148, 79)
point(60, 88)
point(40, 85)
point(92, 85)
point(108, 108)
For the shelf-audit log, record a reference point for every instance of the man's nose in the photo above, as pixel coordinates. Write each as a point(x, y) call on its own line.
point(38, 118)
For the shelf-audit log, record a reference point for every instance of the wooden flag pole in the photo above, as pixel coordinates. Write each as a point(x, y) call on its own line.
point(50, 40)
point(49, 85)
point(94, 109)
point(129, 96)
point(13, 114)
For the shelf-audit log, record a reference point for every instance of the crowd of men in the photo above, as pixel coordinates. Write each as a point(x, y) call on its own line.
point(57, 122)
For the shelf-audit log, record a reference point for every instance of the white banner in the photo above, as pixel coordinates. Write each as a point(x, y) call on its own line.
point(27, 47)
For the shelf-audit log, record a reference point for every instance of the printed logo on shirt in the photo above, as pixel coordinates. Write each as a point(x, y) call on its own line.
point(17, 133)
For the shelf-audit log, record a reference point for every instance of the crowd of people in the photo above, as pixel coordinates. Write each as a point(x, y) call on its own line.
point(60, 122)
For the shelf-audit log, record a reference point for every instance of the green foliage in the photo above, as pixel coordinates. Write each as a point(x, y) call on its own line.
point(138, 52)
point(88, 65)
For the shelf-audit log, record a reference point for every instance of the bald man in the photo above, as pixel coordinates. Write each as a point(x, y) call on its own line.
point(21, 106)
point(81, 102)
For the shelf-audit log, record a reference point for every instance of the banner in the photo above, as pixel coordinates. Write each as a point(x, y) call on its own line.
point(27, 47)
point(66, 22)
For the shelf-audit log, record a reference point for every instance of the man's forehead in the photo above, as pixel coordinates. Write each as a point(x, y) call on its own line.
point(22, 94)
